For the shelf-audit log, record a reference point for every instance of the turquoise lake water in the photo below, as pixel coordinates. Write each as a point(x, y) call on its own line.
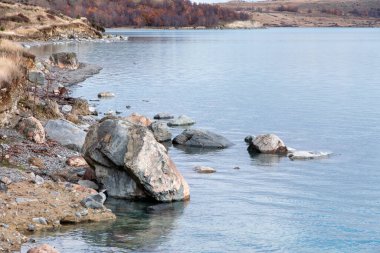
point(318, 89)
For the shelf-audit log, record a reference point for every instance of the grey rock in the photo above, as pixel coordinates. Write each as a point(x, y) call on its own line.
point(65, 133)
point(202, 139)
point(182, 120)
point(94, 201)
point(3, 225)
point(38, 180)
point(118, 183)
point(105, 94)
point(3, 187)
point(31, 228)
point(40, 220)
point(308, 155)
point(32, 129)
point(25, 200)
point(37, 77)
point(84, 212)
point(65, 60)
point(66, 109)
point(163, 116)
point(5, 180)
point(204, 170)
point(161, 131)
point(131, 163)
point(267, 144)
point(88, 184)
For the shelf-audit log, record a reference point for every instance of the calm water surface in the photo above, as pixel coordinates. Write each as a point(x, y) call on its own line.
point(318, 89)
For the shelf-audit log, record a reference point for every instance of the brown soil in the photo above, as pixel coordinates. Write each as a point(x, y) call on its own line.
point(311, 13)
point(57, 203)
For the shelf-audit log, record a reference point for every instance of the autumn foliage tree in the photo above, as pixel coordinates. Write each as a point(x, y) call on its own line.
point(159, 13)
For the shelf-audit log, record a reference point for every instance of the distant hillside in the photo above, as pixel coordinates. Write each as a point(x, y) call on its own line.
point(22, 22)
point(139, 13)
point(320, 13)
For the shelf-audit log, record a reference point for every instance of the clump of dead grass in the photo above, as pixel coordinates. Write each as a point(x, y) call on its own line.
point(9, 70)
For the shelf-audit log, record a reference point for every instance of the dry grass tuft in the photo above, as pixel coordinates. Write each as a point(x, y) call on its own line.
point(9, 70)
point(7, 46)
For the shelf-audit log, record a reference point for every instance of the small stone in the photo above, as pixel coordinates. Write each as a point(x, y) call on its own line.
point(128, 107)
point(204, 170)
point(76, 161)
point(5, 180)
point(31, 228)
point(39, 180)
point(78, 215)
point(84, 212)
point(237, 168)
point(66, 109)
point(25, 200)
point(105, 94)
point(3, 225)
point(163, 115)
point(40, 220)
point(3, 187)
point(248, 139)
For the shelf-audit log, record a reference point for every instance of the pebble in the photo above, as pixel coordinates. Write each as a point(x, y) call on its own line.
point(4, 225)
point(39, 180)
point(24, 200)
point(5, 180)
point(31, 227)
point(237, 168)
point(204, 170)
point(66, 109)
point(105, 94)
point(40, 220)
point(3, 187)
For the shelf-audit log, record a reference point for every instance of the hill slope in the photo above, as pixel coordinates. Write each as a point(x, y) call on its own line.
point(139, 13)
point(312, 13)
point(22, 22)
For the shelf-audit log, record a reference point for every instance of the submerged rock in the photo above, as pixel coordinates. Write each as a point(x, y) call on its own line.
point(163, 115)
point(161, 131)
point(307, 155)
point(182, 120)
point(201, 138)
point(65, 133)
point(130, 163)
point(32, 129)
point(204, 170)
point(44, 248)
point(65, 60)
point(267, 144)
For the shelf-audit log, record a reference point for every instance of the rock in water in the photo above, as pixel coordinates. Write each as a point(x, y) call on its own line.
point(182, 120)
point(138, 119)
point(204, 170)
point(163, 116)
point(131, 163)
point(267, 144)
point(161, 131)
point(202, 139)
point(65, 133)
point(307, 155)
point(106, 94)
point(65, 60)
point(44, 248)
point(32, 129)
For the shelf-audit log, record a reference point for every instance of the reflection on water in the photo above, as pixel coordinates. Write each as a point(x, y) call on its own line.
point(139, 227)
point(266, 159)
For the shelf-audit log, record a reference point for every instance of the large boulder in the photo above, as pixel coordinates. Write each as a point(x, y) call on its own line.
point(65, 60)
point(161, 131)
point(65, 133)
point(130, 163)
point(267, 144)
point(201, 139)
point(32, 129)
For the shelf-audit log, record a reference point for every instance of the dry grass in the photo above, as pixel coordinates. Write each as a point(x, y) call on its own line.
point(10, 59)
point(9, 70)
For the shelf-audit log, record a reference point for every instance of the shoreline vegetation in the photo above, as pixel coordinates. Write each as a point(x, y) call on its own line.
point(50, 156)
